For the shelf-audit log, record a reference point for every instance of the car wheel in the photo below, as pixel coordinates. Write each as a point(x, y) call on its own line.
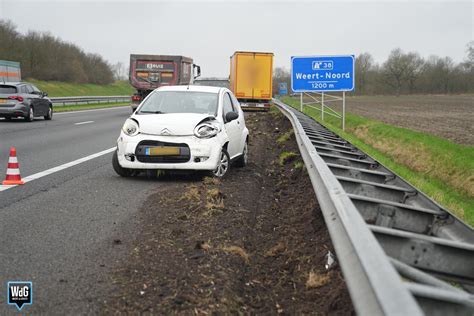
point(223, 164)
point(49, 116)
point(123, 172)
point(30, 116)
point(243, 160)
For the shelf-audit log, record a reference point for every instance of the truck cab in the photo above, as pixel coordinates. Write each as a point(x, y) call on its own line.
point(148, 72)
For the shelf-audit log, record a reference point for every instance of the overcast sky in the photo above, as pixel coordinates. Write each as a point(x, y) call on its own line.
point(210, 31)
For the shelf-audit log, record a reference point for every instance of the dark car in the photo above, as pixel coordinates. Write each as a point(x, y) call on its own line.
point(24, 100)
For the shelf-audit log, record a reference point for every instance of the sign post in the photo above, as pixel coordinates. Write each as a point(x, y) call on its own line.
point(301, 102)
point(343, 110)
point(322, 106)
point(320, 75)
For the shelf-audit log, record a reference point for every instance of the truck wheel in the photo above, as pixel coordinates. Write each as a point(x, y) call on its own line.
point(243, 160)
point(123, 172)
point(30, 116)
point(223, 164)
point(49, 116)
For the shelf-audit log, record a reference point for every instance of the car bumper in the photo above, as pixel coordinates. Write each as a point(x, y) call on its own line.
point(255, 106)
point(203, 153)
point(14, 111)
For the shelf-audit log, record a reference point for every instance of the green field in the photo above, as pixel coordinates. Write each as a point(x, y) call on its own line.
point(441, 169)
point(65, 89)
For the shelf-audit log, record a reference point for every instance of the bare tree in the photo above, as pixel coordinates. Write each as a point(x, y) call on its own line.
point(120, 71)
point(280, 75)
point(447, 67)
point(469, 61)
point(363, 64)
point(395, 70)
point(414, 67)
point(45, 57)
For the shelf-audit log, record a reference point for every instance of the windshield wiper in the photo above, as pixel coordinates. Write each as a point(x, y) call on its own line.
point(152, 112)
point(146, 80)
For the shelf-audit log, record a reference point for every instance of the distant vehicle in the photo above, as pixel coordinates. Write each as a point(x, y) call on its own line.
point(179, 127)
point(148, 72)
point(10, 71)
point(24, 100)
point(251, 79)
point(213, 82)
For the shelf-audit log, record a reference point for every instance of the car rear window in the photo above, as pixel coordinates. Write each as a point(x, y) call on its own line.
point(7, 89)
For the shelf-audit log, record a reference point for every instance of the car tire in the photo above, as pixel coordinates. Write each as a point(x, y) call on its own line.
point(123, 172)
point(243, 160)
point(49, 116)
point(30, 116)
point(223, 165)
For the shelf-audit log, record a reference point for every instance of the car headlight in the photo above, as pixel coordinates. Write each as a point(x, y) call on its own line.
point(206, 130)
point(130, 127)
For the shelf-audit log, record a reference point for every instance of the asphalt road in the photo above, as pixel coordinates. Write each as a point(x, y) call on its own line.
point(64, 230)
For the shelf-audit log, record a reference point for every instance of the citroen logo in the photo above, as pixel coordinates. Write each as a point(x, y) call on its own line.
point(165, 132)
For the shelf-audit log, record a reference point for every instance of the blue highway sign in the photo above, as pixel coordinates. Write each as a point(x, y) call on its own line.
point(283, 88)
point(322, 73)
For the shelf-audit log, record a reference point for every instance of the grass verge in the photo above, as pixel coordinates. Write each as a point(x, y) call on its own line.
point(441, 169)
point(78, 107)
point(286, 156)
point(66, 89)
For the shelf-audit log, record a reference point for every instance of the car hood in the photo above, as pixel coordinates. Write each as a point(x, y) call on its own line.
point(173, 124)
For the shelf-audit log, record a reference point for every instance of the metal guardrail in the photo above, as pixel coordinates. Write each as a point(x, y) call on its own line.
point(62, 101)
point(399, 251)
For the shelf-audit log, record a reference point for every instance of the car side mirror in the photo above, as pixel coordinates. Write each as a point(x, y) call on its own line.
point(44, 94)
point(196, 71)
point(230, 116)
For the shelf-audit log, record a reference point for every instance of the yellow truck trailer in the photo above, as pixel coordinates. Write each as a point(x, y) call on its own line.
point(251, 76)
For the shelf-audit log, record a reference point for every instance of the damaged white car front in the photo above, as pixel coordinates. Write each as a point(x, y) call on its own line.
point(182, 128)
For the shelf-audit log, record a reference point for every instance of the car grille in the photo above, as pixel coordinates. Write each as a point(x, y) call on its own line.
point(184, 152)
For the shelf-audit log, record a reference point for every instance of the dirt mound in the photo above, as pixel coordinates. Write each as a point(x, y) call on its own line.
point(254, 242)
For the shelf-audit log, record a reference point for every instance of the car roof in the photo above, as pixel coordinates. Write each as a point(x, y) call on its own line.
point(194, 88)
point(11, 83)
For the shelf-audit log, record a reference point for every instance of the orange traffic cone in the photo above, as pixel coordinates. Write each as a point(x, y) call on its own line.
point(13, 170)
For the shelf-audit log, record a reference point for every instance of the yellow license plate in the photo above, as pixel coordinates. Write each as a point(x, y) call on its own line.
point(3, 101)
point(162, 151)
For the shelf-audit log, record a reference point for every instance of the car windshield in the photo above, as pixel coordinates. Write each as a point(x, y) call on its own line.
point(180, 102)
point(7, 89)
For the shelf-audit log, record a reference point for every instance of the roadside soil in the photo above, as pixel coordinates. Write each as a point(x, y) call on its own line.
point(446, 116)
point(254, 242)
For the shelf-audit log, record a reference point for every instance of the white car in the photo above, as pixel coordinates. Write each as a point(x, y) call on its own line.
point(183, 127)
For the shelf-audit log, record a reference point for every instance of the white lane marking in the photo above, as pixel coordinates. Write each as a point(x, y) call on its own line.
point(82, 123)
point(93, 110)
point(59, 168)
